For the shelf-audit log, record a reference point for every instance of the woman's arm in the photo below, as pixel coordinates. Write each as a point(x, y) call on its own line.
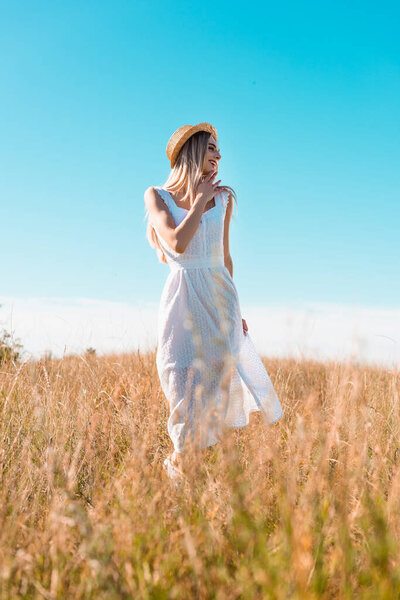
point(176, 236)
point(227, 256)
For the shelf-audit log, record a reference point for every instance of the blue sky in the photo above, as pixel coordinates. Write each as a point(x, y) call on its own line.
point(306, 101)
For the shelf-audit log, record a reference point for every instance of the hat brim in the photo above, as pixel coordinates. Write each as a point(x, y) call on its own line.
point(181, 135)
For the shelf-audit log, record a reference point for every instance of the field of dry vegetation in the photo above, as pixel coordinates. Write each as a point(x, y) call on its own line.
point(308, 507)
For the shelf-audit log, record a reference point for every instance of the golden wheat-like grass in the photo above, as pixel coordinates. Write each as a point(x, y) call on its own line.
point(307, 507)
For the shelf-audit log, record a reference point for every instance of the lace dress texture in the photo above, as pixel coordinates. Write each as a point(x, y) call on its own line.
point(209, 369)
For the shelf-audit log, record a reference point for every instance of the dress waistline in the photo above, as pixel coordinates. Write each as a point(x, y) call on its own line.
point(196, 263)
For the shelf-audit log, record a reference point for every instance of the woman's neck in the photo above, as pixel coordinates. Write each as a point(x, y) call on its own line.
point(179, 194)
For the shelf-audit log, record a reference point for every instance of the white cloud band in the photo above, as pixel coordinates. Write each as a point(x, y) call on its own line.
point(313, 330)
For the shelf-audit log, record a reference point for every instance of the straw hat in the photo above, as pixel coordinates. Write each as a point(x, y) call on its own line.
point(181, 135)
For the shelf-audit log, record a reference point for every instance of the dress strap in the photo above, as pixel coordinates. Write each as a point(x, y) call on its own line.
point(164, 195)
point(224, 198)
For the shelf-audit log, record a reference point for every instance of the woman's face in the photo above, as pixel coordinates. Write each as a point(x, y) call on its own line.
point(212, 156)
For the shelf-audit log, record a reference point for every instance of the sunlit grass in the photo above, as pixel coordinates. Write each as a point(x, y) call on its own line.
point(307, 507)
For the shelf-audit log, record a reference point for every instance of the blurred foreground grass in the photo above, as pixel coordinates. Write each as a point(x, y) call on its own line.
point(308, 507)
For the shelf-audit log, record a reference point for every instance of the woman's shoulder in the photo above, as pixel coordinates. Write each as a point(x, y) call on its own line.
point(154, 196)
point(149, 195)
point(151, 190)
point(228, 191)
point(226, 194)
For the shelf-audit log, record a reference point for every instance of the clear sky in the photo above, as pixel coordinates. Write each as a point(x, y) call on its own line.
point(306, 101)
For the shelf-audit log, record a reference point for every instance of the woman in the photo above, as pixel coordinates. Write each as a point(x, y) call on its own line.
point(208, 367)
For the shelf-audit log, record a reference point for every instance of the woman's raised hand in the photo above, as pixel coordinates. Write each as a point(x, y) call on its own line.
point(207, 189)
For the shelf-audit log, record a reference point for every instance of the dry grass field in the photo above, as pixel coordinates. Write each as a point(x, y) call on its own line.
point(308, 507)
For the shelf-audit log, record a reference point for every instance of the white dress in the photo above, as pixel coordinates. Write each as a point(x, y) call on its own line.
point(209, 369)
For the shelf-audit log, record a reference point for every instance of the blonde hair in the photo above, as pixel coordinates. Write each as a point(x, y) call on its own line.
point(185, 175)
